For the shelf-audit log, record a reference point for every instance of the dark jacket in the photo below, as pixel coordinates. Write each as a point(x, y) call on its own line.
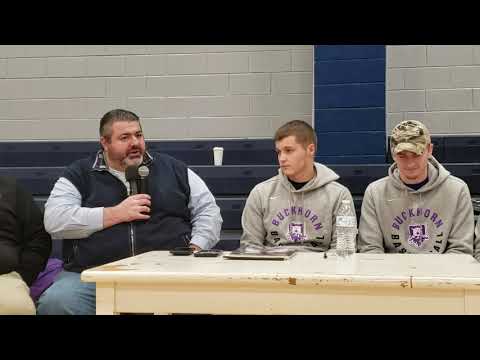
point(24, 244)
point(170, 219)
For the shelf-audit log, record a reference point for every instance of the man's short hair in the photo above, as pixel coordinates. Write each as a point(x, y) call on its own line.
point(112, 116)
point(302, 131)
point(409, 135)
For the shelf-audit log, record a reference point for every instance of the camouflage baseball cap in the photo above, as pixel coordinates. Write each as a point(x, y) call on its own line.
point(409, 135)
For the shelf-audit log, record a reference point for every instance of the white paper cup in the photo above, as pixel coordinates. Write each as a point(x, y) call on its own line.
point(218, 156)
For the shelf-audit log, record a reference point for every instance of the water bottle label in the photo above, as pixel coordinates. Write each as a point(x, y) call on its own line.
point(347, 221)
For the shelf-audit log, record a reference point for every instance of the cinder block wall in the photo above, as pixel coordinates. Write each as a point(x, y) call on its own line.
point(180, 92)
point(436, 84)
point(203, 91)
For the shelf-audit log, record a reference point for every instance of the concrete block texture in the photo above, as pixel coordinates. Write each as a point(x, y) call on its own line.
point(3, 67)
point(105, 66)
point(406, 56)
point(476, 99)
point(395, 79)
point(208, 106)
point(125, 49)
point(282, 104)
point(476, 54)
point(302, 60)
point(244, 126)
point(26, 67)
point(392, 120)
point(45, 50)
point(227, 63)
point(141, 65)
point(465, 76)
point(427, 78)
point(97, 107)
point(270, 61)
point(449, 76)
point(12, 51)
point(186, 85)
point(292, 83)
point(52, 88)
point(437, 122)
point(31, 109)
point(449, 122)
point(179, 90)
point(162, 128)
point(447, 55)
point(250, 83)
point(126, 86)
point(67, 67)
point(187, 64)
point(405, 100)
point(70, 82)
point(449, 99)
point(77, 129)
point(84, 50)
point(193, 49)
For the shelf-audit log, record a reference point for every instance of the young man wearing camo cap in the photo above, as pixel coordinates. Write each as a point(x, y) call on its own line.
point(476, 241)
point(419, 207)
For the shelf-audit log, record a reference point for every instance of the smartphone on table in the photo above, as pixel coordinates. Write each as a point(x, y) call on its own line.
point(182, 251)
point(208, 253)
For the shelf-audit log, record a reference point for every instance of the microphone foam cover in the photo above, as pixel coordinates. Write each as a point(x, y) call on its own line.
point(143, 171)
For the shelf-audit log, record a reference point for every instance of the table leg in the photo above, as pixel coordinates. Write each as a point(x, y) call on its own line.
point(472, 302)
point(105, 299)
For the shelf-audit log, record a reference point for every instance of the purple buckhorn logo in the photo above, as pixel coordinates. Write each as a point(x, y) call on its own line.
point(296, 232)
point(417, 235)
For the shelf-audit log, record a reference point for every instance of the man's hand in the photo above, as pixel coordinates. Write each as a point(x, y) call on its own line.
point(195, 247)
point(135, 207)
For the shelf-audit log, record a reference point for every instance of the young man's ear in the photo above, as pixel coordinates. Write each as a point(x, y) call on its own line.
point(430, 149)
point(311, 149)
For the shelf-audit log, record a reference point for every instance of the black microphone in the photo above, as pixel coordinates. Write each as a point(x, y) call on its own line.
point(137, 177)
point(143, 172)
point(131, 175)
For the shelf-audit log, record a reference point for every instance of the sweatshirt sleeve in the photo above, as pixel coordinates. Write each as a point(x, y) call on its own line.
point(36, 242)
point(460, 239)
point(252, 220)
point(370, 236)
point(476, 245)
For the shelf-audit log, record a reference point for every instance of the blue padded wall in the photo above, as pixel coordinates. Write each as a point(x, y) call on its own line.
point(349, 103)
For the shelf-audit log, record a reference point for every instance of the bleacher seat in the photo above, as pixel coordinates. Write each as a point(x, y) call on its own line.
point(462, 149)
point(192, 152)
point(38, 165)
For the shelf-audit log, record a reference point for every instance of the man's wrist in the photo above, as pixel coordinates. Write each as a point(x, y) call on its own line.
point(110, 217)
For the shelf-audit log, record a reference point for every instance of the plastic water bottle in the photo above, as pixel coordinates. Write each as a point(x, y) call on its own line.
point(346, 230)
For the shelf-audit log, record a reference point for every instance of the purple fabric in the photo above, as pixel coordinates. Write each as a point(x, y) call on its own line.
point(46, 278)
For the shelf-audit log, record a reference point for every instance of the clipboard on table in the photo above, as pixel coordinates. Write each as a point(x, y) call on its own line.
point(256, 252)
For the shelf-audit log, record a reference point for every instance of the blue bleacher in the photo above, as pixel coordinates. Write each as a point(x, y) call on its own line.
point(61, 153)
point(38, 165)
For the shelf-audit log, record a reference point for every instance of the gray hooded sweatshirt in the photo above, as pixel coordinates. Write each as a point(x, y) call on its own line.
point(277, 214)
point(476, 241)
point(437, 218)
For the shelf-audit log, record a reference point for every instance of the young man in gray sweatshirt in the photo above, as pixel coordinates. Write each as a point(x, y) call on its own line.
point(419, 207)
point(476, 241)
point(298, 206)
